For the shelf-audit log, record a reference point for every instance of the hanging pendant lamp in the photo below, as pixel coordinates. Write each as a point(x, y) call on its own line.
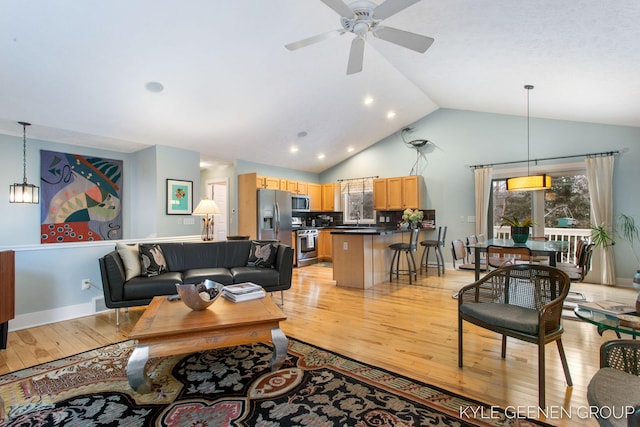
point(529, 182)
point(24, 192)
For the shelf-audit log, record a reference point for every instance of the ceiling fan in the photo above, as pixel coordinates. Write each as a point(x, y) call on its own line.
point(362, 17)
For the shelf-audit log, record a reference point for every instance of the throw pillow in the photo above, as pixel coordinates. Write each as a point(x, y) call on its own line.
point(262, 255)
point(129, 255)
point(152, 260)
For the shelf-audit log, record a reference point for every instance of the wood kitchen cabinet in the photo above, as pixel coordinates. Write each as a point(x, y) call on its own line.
point(412, 192)
point(380, 194)
point(330, 197)
point(296, 187)
point(398, 193)
point(267, 182)
point(324, 245)
point(315, 196)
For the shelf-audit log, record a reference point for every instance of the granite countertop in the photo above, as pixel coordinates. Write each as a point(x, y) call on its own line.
point(372, 230)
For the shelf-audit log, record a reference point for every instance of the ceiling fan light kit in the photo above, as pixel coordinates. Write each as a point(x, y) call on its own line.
point(363, 17)
point(529, 182)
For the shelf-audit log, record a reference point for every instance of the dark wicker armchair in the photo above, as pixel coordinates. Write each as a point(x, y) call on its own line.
point(522, 301)
point(615, 388)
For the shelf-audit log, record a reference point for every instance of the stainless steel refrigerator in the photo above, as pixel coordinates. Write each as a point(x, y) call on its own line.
point(274, 215)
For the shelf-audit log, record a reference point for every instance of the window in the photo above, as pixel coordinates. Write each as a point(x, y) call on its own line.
point(565, 205)
point(357, 195)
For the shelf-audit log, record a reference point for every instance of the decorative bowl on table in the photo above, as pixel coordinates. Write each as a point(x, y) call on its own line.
point(200, 296)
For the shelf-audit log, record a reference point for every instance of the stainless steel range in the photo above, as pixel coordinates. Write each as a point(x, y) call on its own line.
point(307, 244)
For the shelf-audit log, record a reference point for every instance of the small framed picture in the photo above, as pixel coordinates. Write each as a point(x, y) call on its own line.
point(179, 197)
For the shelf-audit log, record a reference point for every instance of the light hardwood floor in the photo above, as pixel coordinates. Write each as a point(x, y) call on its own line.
point(408, 329)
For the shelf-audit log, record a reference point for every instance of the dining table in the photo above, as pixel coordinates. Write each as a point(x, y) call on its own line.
point(550, 248)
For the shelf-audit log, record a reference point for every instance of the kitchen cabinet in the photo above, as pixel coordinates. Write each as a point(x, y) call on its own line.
point(380, 194)
point(398, 193)
point(324, 245)
point(267, 182)
point(296, 187)
point(412, 192)
point(330, 197)
point(315, 196)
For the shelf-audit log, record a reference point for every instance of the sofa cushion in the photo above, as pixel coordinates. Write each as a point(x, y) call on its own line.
point(142, 287)
point(616, 391)
point(152, 260)
point(262, 254)
point(262, 276)
point(504, 315)
point(198, 275)
point(129, 254)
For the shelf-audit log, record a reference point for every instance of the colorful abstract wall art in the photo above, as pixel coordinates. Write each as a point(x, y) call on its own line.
point(81, 198)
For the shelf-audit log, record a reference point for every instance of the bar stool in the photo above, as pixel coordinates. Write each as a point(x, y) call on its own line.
point(408, 249)
point(436, 245)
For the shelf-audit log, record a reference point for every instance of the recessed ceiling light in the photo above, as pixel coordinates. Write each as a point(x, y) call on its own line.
point(302, 134)
point(321, 156)
point(293, 149)
point(391, 114)
point(368, 100)
point(154, 87)
point(350, 149)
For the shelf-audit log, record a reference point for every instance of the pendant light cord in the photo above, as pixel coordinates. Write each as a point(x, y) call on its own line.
point(528, 88)
point(24, 150)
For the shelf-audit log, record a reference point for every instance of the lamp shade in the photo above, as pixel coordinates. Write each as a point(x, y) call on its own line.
point(529, 183)
point(206, 207)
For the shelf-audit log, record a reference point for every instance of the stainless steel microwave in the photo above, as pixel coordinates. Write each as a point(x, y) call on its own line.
point(300, 203)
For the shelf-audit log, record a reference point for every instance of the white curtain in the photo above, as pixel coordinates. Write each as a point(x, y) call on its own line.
point(600, 176)
point(483, 194)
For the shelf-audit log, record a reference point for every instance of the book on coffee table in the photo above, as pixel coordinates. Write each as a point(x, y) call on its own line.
point(243, 292)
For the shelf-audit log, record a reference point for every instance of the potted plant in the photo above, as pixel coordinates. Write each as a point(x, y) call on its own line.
point(519, 228)
point(626, 229)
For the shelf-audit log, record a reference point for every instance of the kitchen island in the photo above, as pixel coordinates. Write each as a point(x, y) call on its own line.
point(361, 256)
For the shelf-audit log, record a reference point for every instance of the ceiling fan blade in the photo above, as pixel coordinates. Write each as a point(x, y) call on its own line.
point(356, 56)
point(340, 7)
point(391, 7)
point(412, 41)
point(314, 39)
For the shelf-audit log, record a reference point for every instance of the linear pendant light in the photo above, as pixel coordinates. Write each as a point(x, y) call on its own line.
point(24, 192)
point(529, 182)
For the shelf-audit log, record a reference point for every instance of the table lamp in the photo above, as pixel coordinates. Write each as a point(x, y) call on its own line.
point(207, 207)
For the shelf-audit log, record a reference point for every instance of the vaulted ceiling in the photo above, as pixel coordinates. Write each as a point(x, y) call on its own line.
point(87, 72)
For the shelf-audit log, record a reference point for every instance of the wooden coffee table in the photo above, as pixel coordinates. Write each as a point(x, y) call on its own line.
point(170, 327)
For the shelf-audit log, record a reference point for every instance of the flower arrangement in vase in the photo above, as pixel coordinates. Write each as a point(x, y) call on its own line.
point(519, 228)
point(412, 217)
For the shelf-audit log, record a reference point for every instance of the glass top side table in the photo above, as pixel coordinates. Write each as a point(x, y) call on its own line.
point(627, 325)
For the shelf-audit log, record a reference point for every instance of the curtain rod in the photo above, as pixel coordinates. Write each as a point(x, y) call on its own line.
point(605, 153)
point(357, 179)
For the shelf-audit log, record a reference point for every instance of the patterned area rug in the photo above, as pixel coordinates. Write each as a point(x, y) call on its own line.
point(233, 387)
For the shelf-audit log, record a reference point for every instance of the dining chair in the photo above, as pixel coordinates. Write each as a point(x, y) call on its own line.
point(498, 256)
point(579, 270)
point(459, 253)
point(408, 249)
point(522, 301)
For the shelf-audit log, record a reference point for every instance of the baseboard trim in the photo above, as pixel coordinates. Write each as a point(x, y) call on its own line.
point(39, 318)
